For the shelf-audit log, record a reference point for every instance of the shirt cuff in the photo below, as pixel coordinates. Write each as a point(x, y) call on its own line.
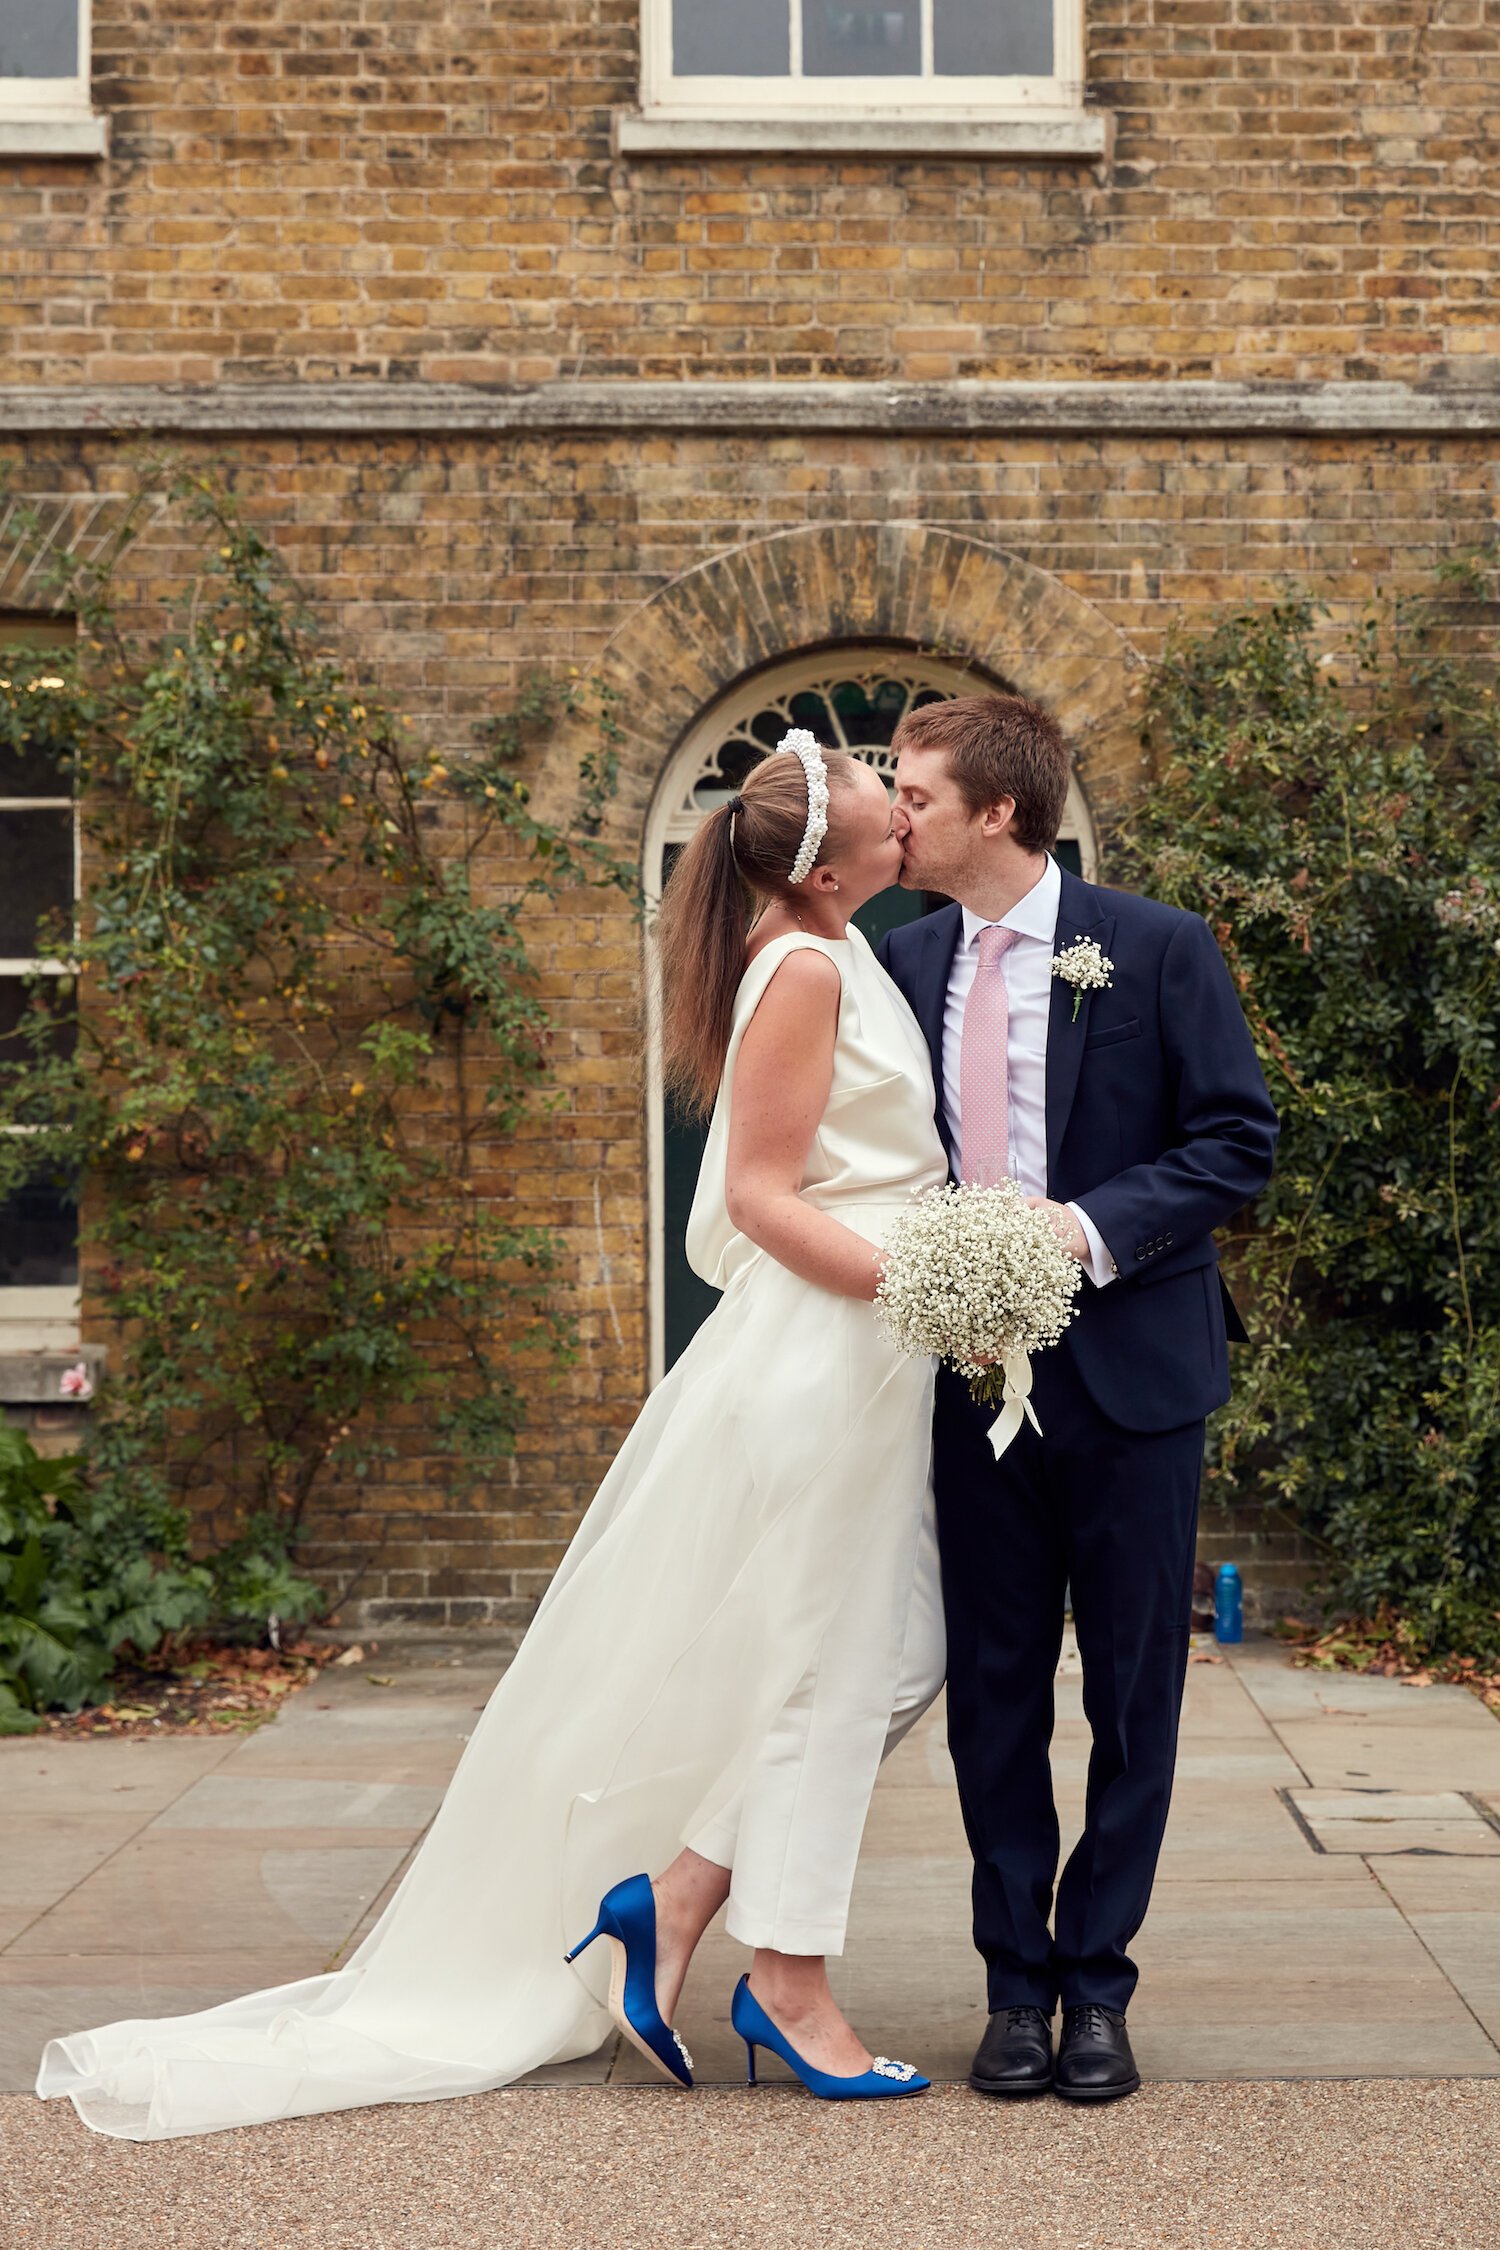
point(1098, 1265)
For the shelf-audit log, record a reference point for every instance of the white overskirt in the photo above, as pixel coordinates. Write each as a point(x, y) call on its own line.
point(789, 1439)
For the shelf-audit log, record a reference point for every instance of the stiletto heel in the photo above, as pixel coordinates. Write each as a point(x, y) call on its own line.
point(584, 1943)
point(757, 2030)
point(627, 1921)
point(749, 2063)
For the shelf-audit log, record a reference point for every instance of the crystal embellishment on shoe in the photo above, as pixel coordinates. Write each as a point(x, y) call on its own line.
point(884, 2078)
point(682, 2049)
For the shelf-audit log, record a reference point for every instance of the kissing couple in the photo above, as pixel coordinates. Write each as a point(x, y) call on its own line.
point(807, 1529)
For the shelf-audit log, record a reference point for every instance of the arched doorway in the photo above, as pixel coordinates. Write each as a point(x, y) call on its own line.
point(852, 698)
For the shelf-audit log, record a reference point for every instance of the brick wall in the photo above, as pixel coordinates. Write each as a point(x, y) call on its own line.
point(1298, 189)
point(424, 190)
point(446, 569)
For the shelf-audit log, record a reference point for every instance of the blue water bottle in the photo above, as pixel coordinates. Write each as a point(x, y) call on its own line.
point(1229, 1604)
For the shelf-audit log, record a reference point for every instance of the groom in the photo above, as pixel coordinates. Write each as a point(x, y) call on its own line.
point(1140, 1123)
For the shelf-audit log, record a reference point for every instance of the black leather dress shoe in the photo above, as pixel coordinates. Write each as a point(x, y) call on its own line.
point(1015, 2054)
point(1094, 2062)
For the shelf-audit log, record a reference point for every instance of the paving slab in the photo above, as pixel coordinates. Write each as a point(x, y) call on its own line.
point(411, 1761)
point(1461, 1839)
point(266, 1859)
point(1420, 1884)
point(177, 1890)
point(39, 1861)
point(1467, 1948)
point(242, 1798)
point(1283, 1690)
point(54, 1777)
point(1334, 1751)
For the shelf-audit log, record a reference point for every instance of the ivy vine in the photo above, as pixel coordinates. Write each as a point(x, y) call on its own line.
point(298, 1020)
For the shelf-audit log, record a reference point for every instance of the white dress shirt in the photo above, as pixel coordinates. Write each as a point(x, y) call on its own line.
point(1027, 970)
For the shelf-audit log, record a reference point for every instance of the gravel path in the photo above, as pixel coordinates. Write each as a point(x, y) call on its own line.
point(1299, 2166)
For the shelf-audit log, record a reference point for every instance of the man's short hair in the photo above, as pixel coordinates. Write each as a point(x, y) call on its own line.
point(998, 746)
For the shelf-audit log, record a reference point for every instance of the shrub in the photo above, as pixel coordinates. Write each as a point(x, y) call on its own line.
point(1334, 812)
point(78, 1581)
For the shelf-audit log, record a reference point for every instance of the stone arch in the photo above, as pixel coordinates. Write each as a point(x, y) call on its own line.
point(751, 609)
point(911, 584)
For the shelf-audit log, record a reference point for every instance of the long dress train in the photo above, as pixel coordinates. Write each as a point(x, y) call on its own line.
point(693, 1600)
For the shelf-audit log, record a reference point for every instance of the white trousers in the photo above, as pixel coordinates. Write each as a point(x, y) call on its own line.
point(791, 1837)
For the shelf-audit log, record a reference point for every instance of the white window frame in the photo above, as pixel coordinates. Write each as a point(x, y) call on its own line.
point(897, 114)
point(55, 116)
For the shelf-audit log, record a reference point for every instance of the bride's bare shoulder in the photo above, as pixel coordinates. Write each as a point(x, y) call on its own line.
point(793, 1020)
point(804, 977)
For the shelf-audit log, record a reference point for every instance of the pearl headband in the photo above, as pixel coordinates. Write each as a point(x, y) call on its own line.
point(804, 746)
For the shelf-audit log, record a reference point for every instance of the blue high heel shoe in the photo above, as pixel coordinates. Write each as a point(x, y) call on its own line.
point(757, 2030)
point(627, 1920)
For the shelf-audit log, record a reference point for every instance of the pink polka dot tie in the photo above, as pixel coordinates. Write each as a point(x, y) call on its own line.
point(983, 1088)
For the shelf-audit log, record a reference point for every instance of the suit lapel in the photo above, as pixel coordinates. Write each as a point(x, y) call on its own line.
point(940, 935)
point(1081, 912)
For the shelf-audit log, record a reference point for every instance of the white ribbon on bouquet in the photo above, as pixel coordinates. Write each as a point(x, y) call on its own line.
point(1015, 1400)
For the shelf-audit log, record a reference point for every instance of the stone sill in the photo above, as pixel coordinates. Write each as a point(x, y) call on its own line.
point(1080, 135)
point(54, 132)
point(31, 1378)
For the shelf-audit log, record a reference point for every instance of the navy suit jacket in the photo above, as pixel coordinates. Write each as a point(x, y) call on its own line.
point(1158, 1122)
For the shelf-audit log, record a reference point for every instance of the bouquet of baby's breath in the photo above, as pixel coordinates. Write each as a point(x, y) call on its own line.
point(979, 1277)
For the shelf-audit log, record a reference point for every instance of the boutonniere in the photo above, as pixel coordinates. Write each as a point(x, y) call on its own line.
point(1084, 967)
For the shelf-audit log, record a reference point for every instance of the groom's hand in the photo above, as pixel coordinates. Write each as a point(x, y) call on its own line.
point(1064, 1225)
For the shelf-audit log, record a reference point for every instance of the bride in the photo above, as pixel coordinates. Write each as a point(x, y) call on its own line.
point(748, 1617)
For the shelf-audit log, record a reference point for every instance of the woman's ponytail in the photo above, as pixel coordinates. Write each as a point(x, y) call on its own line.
point(738, 859)
point(700, 934)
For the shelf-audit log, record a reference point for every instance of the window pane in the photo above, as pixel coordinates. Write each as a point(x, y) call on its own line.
point(730, 38)
point(841, 42)
point(36, 874)
point(862, 41)
point(38, 39)
point(39, 1234)
point(992, 38)
point(38, 769)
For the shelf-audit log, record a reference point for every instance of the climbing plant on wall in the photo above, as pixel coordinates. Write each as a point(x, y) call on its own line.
point(297, 1009)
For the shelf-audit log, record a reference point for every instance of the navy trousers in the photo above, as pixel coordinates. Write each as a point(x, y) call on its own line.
point(1113, 1513)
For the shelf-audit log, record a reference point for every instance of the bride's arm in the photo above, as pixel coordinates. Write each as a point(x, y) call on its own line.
point(782, 1078)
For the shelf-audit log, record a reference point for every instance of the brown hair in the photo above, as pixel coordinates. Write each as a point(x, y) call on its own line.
point(998, 746)
point(737, 861)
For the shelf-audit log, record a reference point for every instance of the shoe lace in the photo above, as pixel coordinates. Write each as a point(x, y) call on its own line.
point(1018, 2017)
point(1088, 2018)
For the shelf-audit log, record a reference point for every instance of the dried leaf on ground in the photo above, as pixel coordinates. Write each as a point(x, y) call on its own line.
point(203, 1688)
